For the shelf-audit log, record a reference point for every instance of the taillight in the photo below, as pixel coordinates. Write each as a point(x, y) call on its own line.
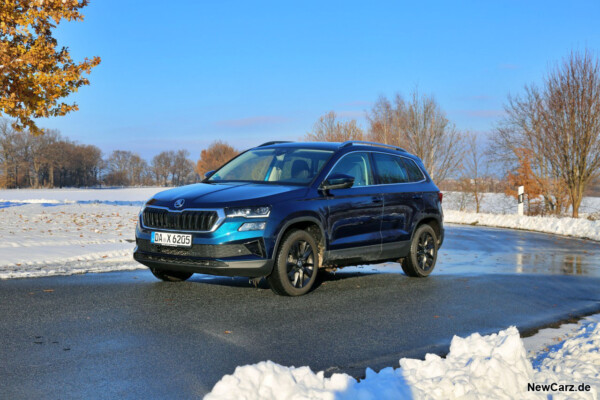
point(440, 196)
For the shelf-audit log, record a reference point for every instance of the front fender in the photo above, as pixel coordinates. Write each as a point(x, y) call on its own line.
point(296, 218)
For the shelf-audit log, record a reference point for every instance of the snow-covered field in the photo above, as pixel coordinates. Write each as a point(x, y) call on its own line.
point(66, 239)
point(68, 231)
point(48, 197)
point(497, 366)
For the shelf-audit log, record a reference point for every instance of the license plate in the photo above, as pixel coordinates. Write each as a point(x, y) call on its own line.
point(171, 239)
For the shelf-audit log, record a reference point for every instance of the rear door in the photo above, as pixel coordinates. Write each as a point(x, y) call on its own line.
point(402, 200)
point(354, 218)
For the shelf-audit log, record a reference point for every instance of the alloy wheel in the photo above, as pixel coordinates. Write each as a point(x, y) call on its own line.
point(300, 264)
point(425, 251)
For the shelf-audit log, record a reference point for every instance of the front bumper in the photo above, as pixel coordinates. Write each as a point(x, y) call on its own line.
point(222, 251)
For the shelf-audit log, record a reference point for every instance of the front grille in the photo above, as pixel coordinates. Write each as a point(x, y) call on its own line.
point(198, 250)
point(180, 221)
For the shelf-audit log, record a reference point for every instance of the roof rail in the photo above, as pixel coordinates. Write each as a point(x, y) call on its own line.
point(354, 142)
point(274, 142)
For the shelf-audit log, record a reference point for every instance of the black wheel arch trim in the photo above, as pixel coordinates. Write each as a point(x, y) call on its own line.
point(291, 222)
point(438, 219)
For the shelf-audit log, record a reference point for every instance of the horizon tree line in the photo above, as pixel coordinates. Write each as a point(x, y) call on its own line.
point(49, 160)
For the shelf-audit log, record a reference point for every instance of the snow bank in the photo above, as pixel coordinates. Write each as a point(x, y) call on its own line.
point(477, 367)
point(576, 227)
point(268, 380)
point(499, 203)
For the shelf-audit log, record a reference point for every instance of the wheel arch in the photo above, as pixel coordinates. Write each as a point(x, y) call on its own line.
point(305, 223)
point(436, 225)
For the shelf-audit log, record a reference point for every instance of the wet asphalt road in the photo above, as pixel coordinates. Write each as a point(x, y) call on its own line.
point(126, 335)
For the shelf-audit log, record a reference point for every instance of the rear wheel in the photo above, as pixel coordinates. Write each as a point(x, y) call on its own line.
point(423, 253)
point(170, 276)
point(296, 266)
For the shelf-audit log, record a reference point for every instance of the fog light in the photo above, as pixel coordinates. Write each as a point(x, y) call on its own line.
point(253, 226)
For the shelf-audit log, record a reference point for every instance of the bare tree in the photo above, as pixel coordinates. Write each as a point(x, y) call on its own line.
point(570, 122)
point(560, 124)
point(474, 170)
point(421, 127)
point(181, 168)
point(387, 120)
point(7, 153)
point(329, 129)
point(126, 168)
point(162, 166)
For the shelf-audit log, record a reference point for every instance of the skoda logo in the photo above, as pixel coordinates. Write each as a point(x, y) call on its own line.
point(179, 203)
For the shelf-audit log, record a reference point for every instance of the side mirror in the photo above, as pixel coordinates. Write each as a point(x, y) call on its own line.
point(209, 174)
point(337, 181)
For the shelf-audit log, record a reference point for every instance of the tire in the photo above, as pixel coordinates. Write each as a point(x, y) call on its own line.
point(170, 276)
point(296, 265)
point(420, 262)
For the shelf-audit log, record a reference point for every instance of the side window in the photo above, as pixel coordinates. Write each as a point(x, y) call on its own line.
point(356, 165)
point(414, 172)
point(390, 169)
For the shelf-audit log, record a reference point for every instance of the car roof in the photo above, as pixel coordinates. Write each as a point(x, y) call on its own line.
point(303, 145)
point(334, 146)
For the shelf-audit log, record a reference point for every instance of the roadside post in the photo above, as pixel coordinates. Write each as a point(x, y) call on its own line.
point(520, 200)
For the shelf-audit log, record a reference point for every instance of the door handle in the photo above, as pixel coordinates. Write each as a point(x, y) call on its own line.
point(417, 196)
point(377, 200)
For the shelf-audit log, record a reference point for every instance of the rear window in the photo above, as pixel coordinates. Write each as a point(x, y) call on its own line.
point(414, 172)
point(393, 169)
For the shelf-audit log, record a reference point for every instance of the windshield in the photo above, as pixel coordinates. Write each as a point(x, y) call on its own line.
point(280, 165)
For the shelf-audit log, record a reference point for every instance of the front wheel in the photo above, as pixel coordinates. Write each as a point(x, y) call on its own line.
point(423, 253)
point(170, 276)
point(296, 266)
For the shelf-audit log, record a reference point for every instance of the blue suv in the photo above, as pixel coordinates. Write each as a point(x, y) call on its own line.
point(283, 210)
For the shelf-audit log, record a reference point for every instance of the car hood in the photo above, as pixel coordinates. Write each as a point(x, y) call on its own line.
point(231, 194)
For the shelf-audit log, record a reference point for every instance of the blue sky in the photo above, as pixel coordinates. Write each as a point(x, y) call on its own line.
point(183, 74)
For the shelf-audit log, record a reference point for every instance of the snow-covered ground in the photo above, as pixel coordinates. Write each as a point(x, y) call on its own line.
point(68, 231)
point(497, 366)
point(499, 203)
point(576, 227)
point(66, 239)
point(500, 211)
point(48, 197)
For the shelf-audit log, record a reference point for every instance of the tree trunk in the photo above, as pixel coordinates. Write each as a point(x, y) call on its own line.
point(576, 197)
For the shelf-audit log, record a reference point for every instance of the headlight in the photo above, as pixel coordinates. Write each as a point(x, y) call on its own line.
point(253, 226)
point(248, 212)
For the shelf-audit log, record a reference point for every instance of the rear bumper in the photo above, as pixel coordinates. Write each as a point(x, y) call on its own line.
point(203, 259)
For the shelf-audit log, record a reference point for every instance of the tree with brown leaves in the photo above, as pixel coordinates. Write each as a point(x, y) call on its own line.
point(34, 74)
point(217, 154)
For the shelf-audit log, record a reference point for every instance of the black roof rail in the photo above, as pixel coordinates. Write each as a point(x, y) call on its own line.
point(275, 142)
point(389, 146)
